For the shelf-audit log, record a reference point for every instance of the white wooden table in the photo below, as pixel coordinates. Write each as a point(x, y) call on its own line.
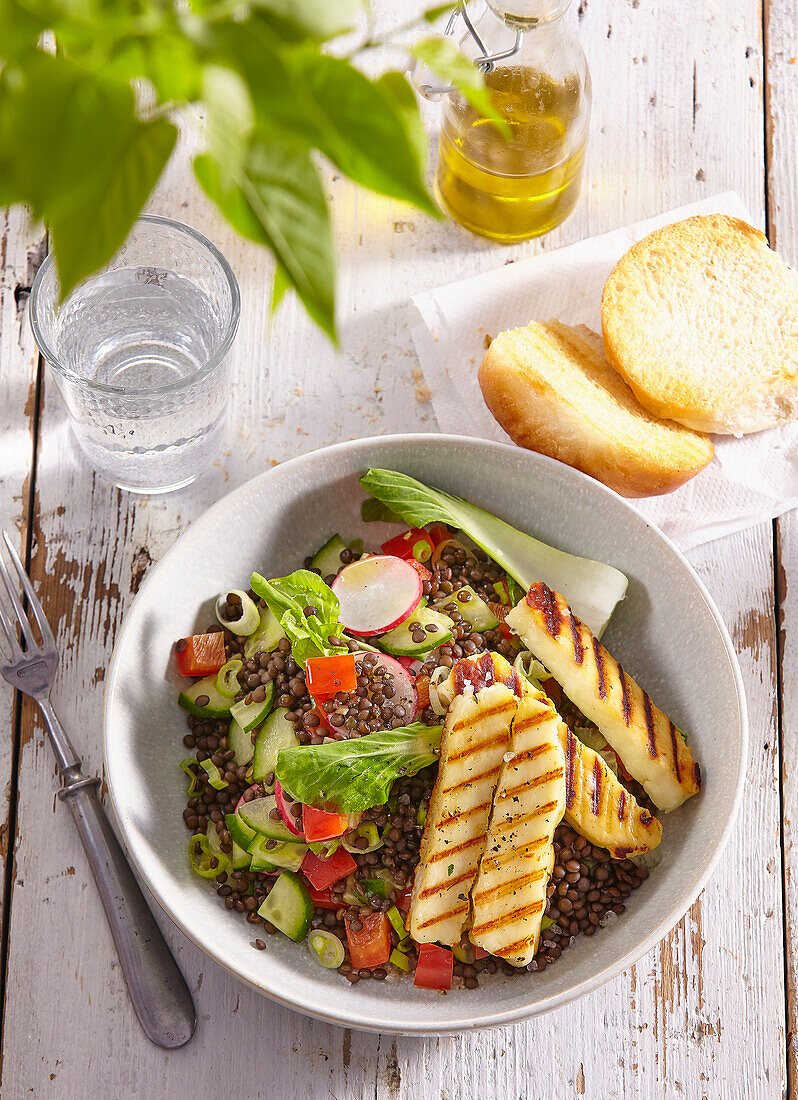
point(690, 99)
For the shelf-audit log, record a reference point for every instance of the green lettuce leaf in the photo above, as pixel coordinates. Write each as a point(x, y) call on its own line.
point(591, 588)
point(346, 776)
point(287, 598)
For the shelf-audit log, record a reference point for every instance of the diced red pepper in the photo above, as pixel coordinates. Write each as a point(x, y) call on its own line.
point(403, 900)
point(480, 953)
point(371, 946)
point(439, 532)
point(505, 631)
point(201, 654)
point(422, 570)
point(325, 676)
point(322, 873)
point(434, 967)
point(414, 543)
point(319, 825)
point(323, 899)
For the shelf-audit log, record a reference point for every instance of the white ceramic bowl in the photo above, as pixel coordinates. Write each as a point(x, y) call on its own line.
point(667, 633)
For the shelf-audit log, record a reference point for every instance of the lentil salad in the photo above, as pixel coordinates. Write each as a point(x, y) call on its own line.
point(261, 695)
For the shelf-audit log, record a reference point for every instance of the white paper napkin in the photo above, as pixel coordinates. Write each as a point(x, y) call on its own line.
point(750, 480)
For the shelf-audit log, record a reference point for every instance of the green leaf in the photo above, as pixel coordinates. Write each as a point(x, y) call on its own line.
point(374, 511)
point(278, 200)
point(591, 588)
point(72, 147)
point(443, 57)
point(320, 19)
point(434, 13)
point(230, 119)
point(352, 775)
point(280, 284)
point(370, 130)
point(287, 598)
point(168, 61)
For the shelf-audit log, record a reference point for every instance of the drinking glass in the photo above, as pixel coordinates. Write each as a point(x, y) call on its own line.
point(139, 352)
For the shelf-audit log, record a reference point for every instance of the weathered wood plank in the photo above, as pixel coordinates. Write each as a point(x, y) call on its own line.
point(782, 164)
point(20, 252)
point(704, 1010)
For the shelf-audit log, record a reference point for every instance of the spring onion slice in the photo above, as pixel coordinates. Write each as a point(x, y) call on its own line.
point(400, 960)
point(188, 766)
point(249, 620)
point(367, 831)
point(397, 922)
point(227, 677)
point(206, 863)
point(215, 777)
point(326, 948)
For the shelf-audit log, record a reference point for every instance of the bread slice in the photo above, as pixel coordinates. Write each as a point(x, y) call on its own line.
point(553, 391)
point(701, 319)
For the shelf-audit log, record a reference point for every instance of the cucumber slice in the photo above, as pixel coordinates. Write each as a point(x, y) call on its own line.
point(239, 831)
point(249, 715)
point(216, 705)
point(473, 608)
point(289, 907)
point(267, 636)
point(241, 743)
point(399, 641)
point(258, 815)
point(276, 733)
point(285, 855)
point(328, 558)
point(240, 858)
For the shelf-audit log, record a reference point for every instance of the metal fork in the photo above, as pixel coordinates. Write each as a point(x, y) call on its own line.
point(159, 993)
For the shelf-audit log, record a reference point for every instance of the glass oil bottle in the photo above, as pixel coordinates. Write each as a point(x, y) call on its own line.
point(511, 188)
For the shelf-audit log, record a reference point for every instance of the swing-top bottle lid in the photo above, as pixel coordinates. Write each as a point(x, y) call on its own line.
point(521, 13)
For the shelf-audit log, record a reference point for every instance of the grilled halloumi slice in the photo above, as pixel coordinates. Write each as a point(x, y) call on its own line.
point(476, 735)
point(509, 896)
point(599, 807)
point(649, 744)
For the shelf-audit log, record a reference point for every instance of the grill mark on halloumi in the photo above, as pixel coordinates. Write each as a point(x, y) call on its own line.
point(601, 809)
point(458, 812)
point(509, 895)
point(470, 782)
point(637, 730)
point(598, 657)
point(474, 749)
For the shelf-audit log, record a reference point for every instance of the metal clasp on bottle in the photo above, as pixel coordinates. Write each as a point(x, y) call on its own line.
point(484, 61)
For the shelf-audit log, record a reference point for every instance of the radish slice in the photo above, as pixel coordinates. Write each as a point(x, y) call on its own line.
point(412, 664)
point(405, 694)
point(291, 823)
point(376, 594)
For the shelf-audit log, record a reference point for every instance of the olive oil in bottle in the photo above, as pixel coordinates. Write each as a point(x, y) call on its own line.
point(514, 186)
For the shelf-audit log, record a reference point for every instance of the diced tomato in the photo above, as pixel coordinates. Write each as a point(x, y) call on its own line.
point(422, 570)
point(319, 825)
point(403, 900)
point(505, 631)
point(327, 675)
point(622, 768)
point(553, 690)
point(439, 532)
point(322, 873)
point(414, 543)
point(422, 690)
point(434, 967)
point(201, 654)
point(323, 899)
point(371, 946)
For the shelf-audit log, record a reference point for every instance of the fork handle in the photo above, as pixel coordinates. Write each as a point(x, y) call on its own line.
point(158, 990)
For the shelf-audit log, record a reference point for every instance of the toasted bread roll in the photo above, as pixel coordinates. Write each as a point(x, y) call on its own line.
point(646, 740)
point(701, 319)
point(509, 896)
point(553, 391)
point(476, 735)
point(599, 807)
